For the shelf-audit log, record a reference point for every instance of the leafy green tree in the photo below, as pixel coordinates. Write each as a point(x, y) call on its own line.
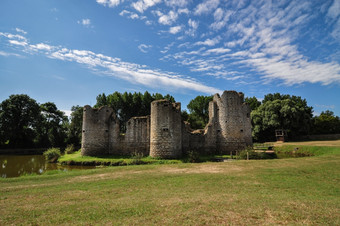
point(199, 111)
point(281, 112)
point(326, 123)
point(253, 102)
point(53, 126)
point(75, 126)
point(19, 117)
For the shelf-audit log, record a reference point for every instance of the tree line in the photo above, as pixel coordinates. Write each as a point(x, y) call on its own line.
point(24, 123)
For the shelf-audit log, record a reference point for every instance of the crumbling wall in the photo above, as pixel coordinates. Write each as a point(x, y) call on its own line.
point(165, 135)
point(165, 129)
point(136, 138)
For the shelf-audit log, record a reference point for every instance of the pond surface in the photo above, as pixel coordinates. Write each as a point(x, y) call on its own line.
point(17, 165)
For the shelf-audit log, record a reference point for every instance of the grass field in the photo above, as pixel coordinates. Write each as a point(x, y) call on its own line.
point(299, 191)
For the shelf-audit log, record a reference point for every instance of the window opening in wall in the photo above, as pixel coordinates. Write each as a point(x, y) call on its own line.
point(218, 130)
point(241, 130)
point(165, 129)
point(165, 105)
point(248, 115)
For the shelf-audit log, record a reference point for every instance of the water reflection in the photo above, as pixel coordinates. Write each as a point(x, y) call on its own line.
point(17, 165)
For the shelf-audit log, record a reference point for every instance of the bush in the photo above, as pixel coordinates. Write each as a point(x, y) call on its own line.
point(52, 154)
point(137, 158)
point(70, 149)
point(193, 156)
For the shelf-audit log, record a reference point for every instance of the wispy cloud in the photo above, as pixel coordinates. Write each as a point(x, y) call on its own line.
point(85, 22)
point(143, 5)
point(209, 42)
point(206, 6)
point(21, 31)
point(134, 73)
point(175, 30)
point(129, 14)
point(110, 3)
point(144, 48)
point(260, 36)
point(6, 54)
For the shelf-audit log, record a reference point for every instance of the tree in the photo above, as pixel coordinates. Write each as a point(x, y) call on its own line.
point(75, 126)
point(199, 111)
point(326, 123)
point(19, 117)
point(278, 111)
point(253, 102)
point(52, 127)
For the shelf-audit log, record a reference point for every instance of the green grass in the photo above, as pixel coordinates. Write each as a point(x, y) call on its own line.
point(293, 191)
point(288, 151)
point(77, 158)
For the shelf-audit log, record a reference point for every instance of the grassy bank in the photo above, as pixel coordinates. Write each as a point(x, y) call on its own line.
point(77, 159)
point(302, 191)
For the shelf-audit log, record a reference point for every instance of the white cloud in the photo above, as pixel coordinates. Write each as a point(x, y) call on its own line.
point(67, 112)
point(168, 19)
point(131, 72)
point(5, 54)
point(183, 11)
point(206, 7)
point(41, 46)
point(221, 19)
point(129, 14)
point(21, 31)
point(334, 10)
point(193, 25)
point(143, 5)
point(209, 42)
point(85, 22)
point(218, 15)
point(18, 43)
point(167, 48)
point(177, 3)
point(110, 3)
point(144, 48)
point(218, 51)
point(175, 30)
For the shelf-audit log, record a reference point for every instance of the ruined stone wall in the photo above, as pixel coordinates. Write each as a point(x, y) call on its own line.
point(165, 129)
point(165, 135)
point(233, 126)
point(136, 138)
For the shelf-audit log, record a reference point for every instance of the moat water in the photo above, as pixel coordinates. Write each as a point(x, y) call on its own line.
point(18, 165)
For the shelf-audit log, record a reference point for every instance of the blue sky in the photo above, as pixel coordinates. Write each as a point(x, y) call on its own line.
point(69, 51)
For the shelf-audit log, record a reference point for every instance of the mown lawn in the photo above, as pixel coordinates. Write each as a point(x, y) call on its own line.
point(302, 191)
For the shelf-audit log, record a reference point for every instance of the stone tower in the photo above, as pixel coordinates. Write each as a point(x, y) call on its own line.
point(100, 130)
point(165, 129)
point(233, 123)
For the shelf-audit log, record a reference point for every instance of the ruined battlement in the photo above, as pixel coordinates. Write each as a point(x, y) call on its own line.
point(163, 134)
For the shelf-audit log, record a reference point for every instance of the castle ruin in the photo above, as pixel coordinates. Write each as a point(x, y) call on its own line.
point(163, 134)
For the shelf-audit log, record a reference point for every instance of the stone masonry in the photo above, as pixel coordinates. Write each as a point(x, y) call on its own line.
point(163, 134)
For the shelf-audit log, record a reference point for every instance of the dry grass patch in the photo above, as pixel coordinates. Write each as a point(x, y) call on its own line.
point(261, 192)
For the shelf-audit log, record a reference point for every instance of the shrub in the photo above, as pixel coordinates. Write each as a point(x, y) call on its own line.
point(193, 156)
point(137, 158)
point(52, 154)
point(70, 149)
